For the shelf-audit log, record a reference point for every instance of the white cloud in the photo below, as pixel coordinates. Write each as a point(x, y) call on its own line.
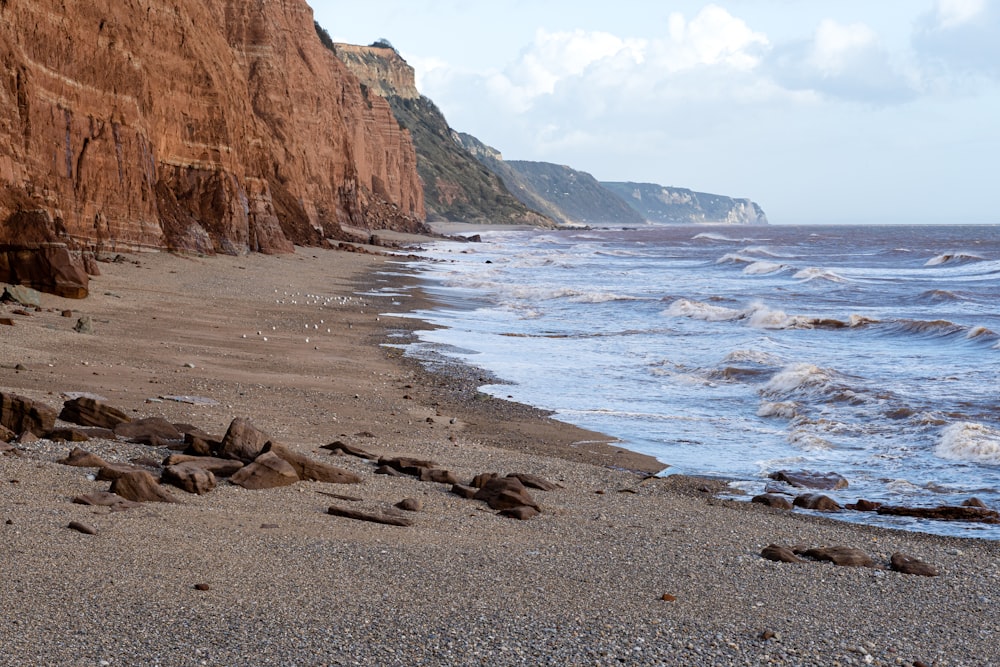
point(836, 45)
point(952, 13)
point(960, 38)
point(712, 37)
point(608, 64)
point(428, 69)
point(554, 57)
point(845, 61)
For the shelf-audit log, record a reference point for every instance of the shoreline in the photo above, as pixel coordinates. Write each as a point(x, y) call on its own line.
point(456, 385)
point(615, 568)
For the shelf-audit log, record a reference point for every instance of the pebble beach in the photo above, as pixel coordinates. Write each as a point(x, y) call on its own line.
point(619, 567)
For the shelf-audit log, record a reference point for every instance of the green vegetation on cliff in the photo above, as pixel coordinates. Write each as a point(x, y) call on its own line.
point(456, 186)
point(564, 194)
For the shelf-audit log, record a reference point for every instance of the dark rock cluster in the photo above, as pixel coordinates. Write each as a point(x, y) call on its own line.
point(782, 497)
point(245, 455)
point(846, 557)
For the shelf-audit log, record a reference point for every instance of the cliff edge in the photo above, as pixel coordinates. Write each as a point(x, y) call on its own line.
point(670, 205)
point(456, 186)
point(213, 126)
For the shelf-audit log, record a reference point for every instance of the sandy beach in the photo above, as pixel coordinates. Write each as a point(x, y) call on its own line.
point(619, 567)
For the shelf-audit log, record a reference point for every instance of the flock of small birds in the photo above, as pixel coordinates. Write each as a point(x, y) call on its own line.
point(297, 298)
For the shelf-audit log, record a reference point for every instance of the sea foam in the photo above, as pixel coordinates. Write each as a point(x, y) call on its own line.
point(814, 273)
point(762, 268)
point(968, 441)
point(702, 311)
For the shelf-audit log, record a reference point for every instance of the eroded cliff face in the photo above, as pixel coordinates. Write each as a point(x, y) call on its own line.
point(206, 125)
point(456, 185)
point(380, 68)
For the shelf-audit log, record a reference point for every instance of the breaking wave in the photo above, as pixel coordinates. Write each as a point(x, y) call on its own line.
point(939, 296)
point(697, 310)
point(782, 409)
point(813, 273)
point(934, 329)
point(761, 316)
point(763, 268)
point(804, 439)
point(968, 441)
point(953, 258)
point(708, 236)
point(753, 357)
point(734, 258)
point(762, 250)
point(806, 380)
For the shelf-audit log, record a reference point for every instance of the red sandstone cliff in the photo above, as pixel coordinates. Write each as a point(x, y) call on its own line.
point(207, 125)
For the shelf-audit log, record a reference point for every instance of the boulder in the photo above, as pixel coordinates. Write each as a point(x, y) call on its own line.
point(480, 480)
point(216, 466)
point(863, 505)
point(84, 325)
point(96, 432)
point(141, 487)
point(944, 513)
point(148, 431)
point(521, 512)
point(807, 479)
point(406, 464)
point(437, 475)
point(6, 435)
point(339, 447)
point(267, 471)
point(22, 295)
point(503, 493)
point(146, 461)
point(311, 470)
point(243, 441)
point(844, 556)
point(81, 527)
point(900, 562)
point(88, 411)
point(773, 500)
point(113, 471)
point(199, 445)
point(67, 435)
point(535, 482)
point(464, 491)
point(189, 477)
point(20, 415)
point(410, 504)
point(780, 554)
point(112, 501)
point(81, 458)
point(90, 265)
point(816, 501)
point(47, 267)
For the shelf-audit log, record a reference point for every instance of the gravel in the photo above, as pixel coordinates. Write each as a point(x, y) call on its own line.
point(287, 584)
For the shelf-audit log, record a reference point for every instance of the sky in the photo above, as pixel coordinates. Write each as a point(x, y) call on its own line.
point(821, 111)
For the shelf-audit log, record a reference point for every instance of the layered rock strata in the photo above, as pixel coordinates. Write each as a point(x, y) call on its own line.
point(214, 126)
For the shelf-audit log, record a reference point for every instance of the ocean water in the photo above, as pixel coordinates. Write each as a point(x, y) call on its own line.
point(869, 351)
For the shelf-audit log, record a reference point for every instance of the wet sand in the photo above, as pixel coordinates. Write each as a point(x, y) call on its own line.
point(583, 583)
